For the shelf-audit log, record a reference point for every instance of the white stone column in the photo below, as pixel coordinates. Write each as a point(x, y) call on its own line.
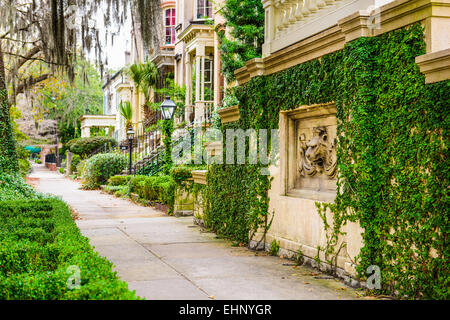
point(269, 29)
point(197, 77)
point(202, 81)
point(85, 132)
point(188, 79)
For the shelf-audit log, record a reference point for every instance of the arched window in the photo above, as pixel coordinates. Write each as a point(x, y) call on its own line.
point(170, 25)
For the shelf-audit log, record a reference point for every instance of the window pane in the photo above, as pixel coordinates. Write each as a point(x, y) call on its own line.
point(173, 16)
point(200, 8)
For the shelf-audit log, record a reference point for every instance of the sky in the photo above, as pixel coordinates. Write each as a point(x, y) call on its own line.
point(113, 52)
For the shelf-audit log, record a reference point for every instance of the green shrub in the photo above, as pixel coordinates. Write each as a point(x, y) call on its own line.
point(155, 188)
point(76, 159)
point(101, 167)
point(274, 247)
point(38, 161)
point(134, 181)
point(118, 191)
point(82, 171)
point(13, 186)
point(61, 170)
point(22, 153)
point(24, 167)
point(85, 146)
point(38, 243)
point(119, 180)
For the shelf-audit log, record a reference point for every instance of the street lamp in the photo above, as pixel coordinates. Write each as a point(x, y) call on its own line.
point(168, 108)
point(130, 135)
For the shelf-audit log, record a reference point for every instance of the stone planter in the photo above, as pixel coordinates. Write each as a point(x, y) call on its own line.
point(184, 201)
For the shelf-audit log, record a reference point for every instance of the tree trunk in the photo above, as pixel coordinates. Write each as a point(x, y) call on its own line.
point(8, 154)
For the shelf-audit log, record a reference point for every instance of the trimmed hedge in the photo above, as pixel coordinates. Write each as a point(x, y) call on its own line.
point(157, 188)
point(39, 242)
point(153, 188)
point(85, 146)
point(119, 180)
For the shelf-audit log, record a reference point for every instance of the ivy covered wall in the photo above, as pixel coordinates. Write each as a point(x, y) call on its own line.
point(392, 158)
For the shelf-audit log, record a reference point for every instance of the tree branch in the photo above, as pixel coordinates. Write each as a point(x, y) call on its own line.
point(31, 82)
point(29, 55)
point(37, 59)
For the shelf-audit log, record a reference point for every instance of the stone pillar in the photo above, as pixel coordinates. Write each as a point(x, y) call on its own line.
point(197, 77)
point(188, 81)
point(269, 28)
point(202, 80)
point(68, 163)
point(85, 132)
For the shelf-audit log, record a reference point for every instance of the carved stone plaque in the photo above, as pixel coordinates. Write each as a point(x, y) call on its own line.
point(310, 152)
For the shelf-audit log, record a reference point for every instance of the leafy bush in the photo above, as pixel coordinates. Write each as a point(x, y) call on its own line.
point(82, 170)
point(118, 191)
point(76, 159)
point(156, 188)
point(134, 181)
point(38, 161)
point(85, 146)
point(61, 170)
point(22, 153)
point(119, 180)
point(39, 243)
point(101, 167)
point(13, 186)
point(24, 167)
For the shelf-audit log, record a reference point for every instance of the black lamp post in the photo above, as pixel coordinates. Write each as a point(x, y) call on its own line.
point(168, 108)
point(130, 134)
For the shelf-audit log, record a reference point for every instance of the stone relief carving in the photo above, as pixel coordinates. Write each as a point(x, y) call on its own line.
point(318, 155)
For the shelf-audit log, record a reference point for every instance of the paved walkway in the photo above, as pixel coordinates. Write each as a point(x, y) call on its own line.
point(163, 257)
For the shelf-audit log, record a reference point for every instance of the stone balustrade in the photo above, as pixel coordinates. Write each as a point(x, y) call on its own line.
point(289, 21)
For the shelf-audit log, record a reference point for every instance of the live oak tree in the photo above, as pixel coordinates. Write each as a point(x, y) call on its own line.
point(54, 32)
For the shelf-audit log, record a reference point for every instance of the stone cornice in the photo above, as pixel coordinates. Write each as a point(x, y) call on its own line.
point(230, 114)
point(192, 30)
point(434, 14)
point(199, 176)
point(435, 66)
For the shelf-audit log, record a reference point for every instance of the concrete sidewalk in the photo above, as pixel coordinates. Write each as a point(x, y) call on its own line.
point(163, 257)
